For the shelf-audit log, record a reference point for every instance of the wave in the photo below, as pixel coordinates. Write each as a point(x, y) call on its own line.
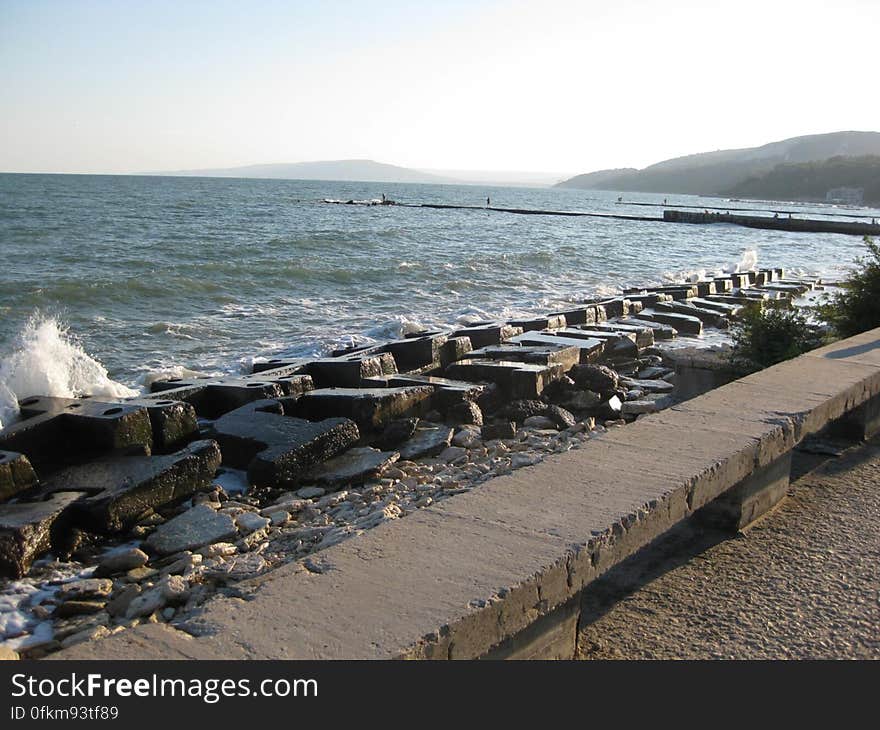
point(47, 360)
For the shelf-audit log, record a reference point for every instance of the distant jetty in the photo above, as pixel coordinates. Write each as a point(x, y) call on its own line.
point(776, 223)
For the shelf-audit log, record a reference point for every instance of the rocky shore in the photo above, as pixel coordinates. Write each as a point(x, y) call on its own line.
point(117, 513)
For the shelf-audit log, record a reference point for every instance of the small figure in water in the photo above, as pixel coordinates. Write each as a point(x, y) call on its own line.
point(620, 199)
point(664, 201)
point(487, 201)
point(383, 198)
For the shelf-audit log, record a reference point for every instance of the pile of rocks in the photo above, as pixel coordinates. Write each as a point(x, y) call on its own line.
point(126, 495)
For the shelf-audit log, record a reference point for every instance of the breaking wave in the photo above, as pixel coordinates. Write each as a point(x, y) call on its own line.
point(46, 360)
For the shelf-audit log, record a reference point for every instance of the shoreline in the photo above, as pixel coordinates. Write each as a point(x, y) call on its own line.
point(479, 434)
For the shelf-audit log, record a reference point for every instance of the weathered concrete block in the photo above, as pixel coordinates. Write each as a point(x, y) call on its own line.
point(517, 380)
point(589, 348)
point(213, 398)
point(279, 450)
point(27, 530)
point(705, 287)
point(352, 467)
point(120, 489)
point(488, 333)
point(684, 324)
point(550, 322)
point(447, 392)
point(709, 317)
point(580, 315)
point(173, 422)
point(279, 367)
point(644, 335)
point(728, 310)
point(751, 498)
point(661, 331)
point(370, 408)
point(455, 348)
point(417, 353)
point(426, 441)
point(698, 370)
point(350, 372)
point(57, 431)
point(567, 356)
point(16, 474)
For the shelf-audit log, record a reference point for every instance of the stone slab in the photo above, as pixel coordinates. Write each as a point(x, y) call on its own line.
point(370, 408)
point(121, 489)
point(198, 526)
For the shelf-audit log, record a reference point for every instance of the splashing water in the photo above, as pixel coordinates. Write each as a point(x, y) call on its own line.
point(46, 360)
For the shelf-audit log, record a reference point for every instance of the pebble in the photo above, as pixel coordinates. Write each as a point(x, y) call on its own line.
point(249, 522)
point(310, 492)
point(122, 561)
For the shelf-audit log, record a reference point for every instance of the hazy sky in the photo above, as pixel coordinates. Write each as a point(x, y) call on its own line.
point(549, 85)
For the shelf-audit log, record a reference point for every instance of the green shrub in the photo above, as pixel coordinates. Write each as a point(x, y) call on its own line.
point(857, 307)
point(762, 338)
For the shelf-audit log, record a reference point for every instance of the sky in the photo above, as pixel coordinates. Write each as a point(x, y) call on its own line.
point(562, 86)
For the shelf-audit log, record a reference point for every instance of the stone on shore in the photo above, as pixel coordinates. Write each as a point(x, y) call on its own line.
point(427, 441)
point(122, 488)
point(198, 526)
point(120, 561)
point(370, 408)
point(353, 467)
point(278, 450)
point(16, 474)
point(29, 529)
point(598, 378)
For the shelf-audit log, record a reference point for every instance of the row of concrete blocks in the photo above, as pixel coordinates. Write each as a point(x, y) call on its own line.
point(498, 572)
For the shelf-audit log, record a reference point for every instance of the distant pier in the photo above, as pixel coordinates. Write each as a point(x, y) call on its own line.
point(796, 225)
point(777, 223)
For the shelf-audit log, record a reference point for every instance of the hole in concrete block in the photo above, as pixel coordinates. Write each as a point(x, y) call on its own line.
point(255, 385)
point(164, 402)
point(112, 411)
point(75, 405)
point(29, 402)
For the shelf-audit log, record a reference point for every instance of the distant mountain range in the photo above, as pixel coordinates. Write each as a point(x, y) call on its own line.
point(723, 171)
point(348, 170)
point(372, 171)
point(813, 180)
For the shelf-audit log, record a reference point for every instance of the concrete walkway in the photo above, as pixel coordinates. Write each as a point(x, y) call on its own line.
point(802, 583)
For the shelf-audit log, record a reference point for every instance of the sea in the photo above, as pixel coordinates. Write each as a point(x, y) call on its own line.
point(110, 282)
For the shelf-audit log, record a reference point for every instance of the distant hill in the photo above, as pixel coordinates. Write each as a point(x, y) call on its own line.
point(713, 173)
point(347, 170)
point(811, 181)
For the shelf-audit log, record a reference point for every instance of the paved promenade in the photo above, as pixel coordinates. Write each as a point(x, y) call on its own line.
point(802, 583)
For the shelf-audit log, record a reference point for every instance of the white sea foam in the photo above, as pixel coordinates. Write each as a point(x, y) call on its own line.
point(46, 360)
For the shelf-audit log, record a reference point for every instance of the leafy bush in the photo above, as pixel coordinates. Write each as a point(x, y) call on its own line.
point(762, 338)
point(857, 307)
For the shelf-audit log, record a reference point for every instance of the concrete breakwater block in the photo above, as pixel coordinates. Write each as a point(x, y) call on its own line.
point(353, 467)
point(118, 490)
point(213, 398)
point(27, 530)
point(276, 449)
point(617, 343)
point(567, 356)
point(173, 422)
point(281, 366)
point(661, 331)
point(550, 322)
point(57, 431)
point(709, 317)
point(193, 529)
point(589, 349)
point(350, 372)
point(515, 379)
point(488, 333)
point(16, 474)
point(417, 353)
point(447, 393)
point(644, 335)
point(370, 408)
point(426, 441)
point(684, 323)
point(728, 310)
point(589, 314)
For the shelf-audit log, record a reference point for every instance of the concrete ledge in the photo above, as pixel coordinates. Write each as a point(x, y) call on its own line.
point(482, 574)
